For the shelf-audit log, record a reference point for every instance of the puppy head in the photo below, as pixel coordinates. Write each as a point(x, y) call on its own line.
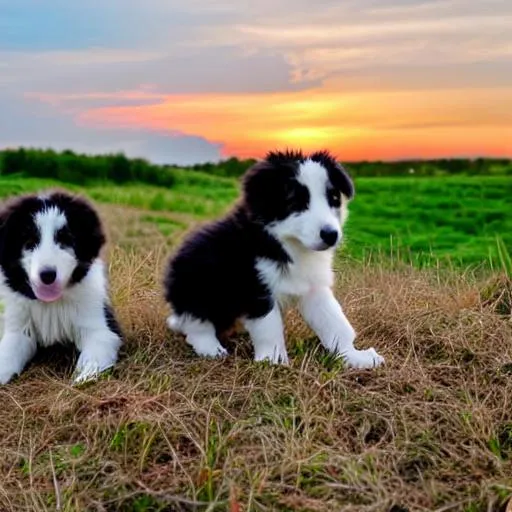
point(299, 198)
point(47, 243)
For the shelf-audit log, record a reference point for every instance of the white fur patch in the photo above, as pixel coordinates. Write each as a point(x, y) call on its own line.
point(48, 253)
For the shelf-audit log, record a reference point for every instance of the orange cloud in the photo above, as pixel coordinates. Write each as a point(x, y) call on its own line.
point(367, 125)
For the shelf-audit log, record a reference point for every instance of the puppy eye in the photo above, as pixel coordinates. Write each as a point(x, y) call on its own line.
point(334, 198)
point(64, 237)
point(290, 193)
point(296, 196)
point(30, 242)
point(31, 239)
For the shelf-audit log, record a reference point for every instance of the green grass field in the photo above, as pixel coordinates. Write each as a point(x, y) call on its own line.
point(428, 220)
point(166, 430)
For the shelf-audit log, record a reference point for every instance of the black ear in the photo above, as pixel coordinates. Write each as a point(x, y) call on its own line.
point(15, 226)
point(337, 173)
point(256, 187)
point(264, 186)
point(84, 223)
point(4, 219)
point(14, 215)
point(15, 221)
point(342, 181)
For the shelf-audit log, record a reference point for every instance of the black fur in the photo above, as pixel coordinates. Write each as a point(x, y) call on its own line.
point(213, 275)
point(270, 190)
point(83, 233)
point(111, 319)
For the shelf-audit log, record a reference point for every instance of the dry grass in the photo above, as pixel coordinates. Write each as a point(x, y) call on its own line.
point(432, 430)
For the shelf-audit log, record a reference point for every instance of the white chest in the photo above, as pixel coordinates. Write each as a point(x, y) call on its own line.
point(51, 323)
point(308, 270)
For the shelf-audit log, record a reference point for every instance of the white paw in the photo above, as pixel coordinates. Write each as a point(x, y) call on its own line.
point(209, 348)
point(88, 368)
point(6, 373)
point(368, 358)
point(275, 355)
point(219, 351)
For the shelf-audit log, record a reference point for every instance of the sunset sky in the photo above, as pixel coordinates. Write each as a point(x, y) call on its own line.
point(199, 80)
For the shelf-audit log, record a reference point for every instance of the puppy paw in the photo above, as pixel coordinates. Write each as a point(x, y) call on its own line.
point(6, 373)
point(368, 358)
point(210, 349)
point(89, 368)
point(275, 355)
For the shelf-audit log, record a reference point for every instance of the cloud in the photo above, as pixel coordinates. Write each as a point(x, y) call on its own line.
point(198, 70)
point(39, 125)
point(316, 51)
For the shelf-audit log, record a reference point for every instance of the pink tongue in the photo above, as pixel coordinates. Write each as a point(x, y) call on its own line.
point(48, 292)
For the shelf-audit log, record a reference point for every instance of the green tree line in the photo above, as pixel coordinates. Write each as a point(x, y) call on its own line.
point(70, 167)
point(233, 167)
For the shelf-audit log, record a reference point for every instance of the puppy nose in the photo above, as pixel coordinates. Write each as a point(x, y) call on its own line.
point(48, 275)
point(329, 235)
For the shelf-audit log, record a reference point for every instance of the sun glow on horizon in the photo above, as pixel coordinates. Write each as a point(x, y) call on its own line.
point(367, 125)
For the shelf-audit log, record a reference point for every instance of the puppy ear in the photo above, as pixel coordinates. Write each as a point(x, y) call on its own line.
point(12, 225)
point(337, 173)
point(83, 220)
point(342, 181)
point(264, 186)
point(256, 185)
point(5, 216)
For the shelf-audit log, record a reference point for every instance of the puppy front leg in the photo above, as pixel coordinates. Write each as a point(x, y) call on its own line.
point(98, 352)
point(267, 336)
point(16, 350)
point(324, 315)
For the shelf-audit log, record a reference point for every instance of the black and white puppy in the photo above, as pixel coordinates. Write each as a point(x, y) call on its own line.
point(53, 284)
point(277, 243)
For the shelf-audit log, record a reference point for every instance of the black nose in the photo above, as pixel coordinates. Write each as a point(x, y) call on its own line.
point(329, 236)
point(48, 275)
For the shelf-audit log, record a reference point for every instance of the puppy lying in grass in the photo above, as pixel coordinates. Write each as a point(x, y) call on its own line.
point(53, 284)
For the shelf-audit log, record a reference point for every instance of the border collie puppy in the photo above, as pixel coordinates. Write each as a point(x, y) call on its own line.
point(53, 284)
point(276, 244)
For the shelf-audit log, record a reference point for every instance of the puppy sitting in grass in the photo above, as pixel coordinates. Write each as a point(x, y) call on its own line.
point(277, 243)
